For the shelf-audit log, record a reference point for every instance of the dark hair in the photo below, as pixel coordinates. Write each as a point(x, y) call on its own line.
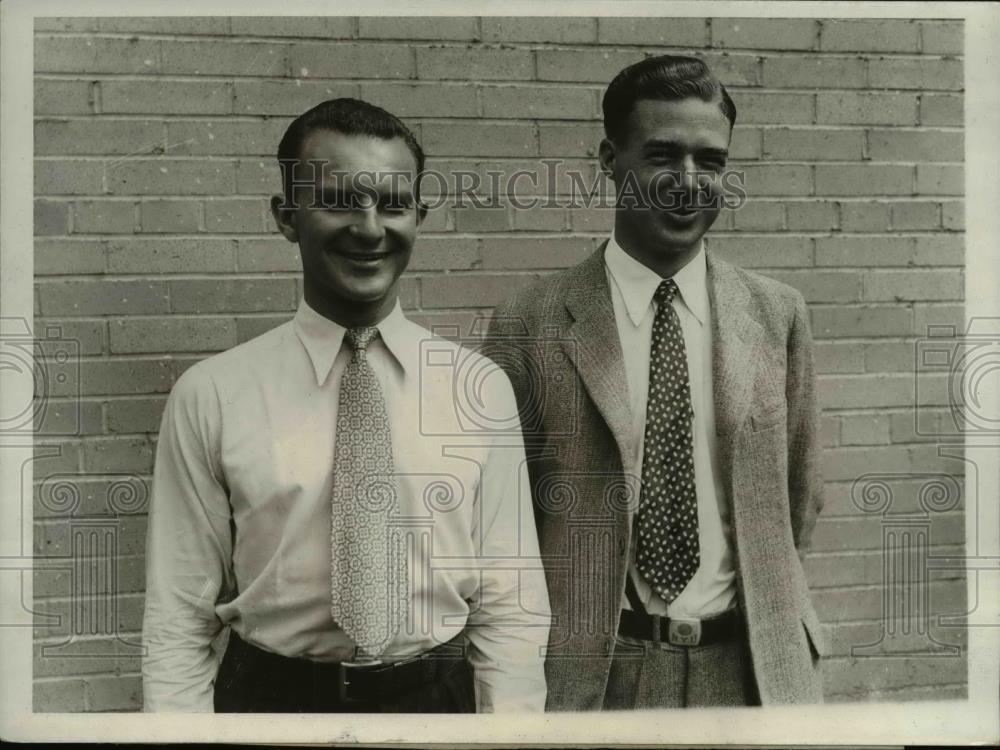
point(350, 117)
point(667, 77)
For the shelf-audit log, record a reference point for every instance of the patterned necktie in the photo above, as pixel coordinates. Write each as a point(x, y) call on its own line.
point(667, 553)
point(368, 571)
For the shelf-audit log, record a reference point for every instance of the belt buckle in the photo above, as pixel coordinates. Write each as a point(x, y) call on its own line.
point(684, 632)
point(345, 669)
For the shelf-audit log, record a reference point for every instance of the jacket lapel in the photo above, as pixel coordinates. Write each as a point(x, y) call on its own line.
point(735, 335)
point(596, 351)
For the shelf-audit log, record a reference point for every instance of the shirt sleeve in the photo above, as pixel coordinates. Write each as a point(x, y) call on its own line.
point(188, 551)
point(508, 625)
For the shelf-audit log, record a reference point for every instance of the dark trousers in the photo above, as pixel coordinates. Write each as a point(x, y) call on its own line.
point(251, 680)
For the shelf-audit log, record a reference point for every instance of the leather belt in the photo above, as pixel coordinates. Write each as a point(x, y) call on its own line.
point(680, 632)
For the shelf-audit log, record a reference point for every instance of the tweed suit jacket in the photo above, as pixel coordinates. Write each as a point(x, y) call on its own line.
point(557, 341)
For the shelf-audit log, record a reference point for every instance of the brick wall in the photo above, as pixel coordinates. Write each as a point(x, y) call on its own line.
point(154, 143)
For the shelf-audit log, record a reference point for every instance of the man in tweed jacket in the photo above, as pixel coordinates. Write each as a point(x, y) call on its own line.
point(576, 345)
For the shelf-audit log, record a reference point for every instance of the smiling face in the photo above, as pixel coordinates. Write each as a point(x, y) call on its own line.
point(671, 159)
point(355, 224)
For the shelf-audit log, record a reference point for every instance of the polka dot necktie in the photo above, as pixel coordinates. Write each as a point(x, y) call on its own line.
point(368, 570)
point(667, 553)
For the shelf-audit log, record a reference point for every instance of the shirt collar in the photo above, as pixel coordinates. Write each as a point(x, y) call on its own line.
point(323, 338)
point(637, 283)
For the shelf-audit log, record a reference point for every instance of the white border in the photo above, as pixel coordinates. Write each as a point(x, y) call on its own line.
point(974, 721)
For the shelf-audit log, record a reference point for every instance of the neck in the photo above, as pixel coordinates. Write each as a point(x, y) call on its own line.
point(663, 261)
point(349, 313)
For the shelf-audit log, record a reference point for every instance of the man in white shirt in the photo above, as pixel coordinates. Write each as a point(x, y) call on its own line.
point(319, 491)
point(674, 573)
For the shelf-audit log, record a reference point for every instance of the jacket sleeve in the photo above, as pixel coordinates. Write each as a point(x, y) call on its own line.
point(805, 482)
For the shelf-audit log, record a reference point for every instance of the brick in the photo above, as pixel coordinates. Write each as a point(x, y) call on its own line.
point(103, 217)
point(860, 679)
point(260, 177)
point(487, 219)
point(941, 110)
point(744, 144)
point(733, 69)
point(455, 325)
point(942, 37)
point(347, 60)
point(868, 179)
point(539, 219)
point(859, 391)
point(166, 97)
point(815, 72)
point(759, 216)
point(764, 33)
point(289, 97)
point(237, 215)
point(481, 139)
point(175, 334)
point(661, 32)
point(102, 297)
point(770, 179)
point(179, 216)
point(888, 251)
point(848, 464)
point(68, 177)
point(50, 217)
point(471, 290)
point(909, 286)
point(214, 25)
point(813, 144)
point(450, 253)
point(561, 30)
point(841, 322)
point(937, 315)
point(54, 617)
point(320, 27)
point(475, 64)
point(418, 27)
point(953, 215)
point(869, 35)
point(508, 253)
point(590, 65)
point(836, 357)
point(917, 73)
point(890, 356)
point(120, 693)
point(763, 252)
point(58, 696)
point(864, 216)
point(578, 139)
point(939, 179)
point(255, 256)
point(170, 177)
point(101, 137)
point(866, 568)
point(95, 54)
point(423, 99)
point(153, 256)
point(231, 295)
point(866, 108)
point(811, 215)
point(829, 431)
point(221, 57)
point(780, 109)
point(61, 97)
point(920, 215)
point(69, 418)
point(864, 429)
point(112, 455)
point(134, 415)
point(249, 328)
point(924, 424)
point(87, 335)
point(550, 102)
point(592, 219)
point(83, 657)
point(227, 138)
point(823, 286)
point(437, 219)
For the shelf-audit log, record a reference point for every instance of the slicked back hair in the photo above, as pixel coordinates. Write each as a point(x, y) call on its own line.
point(350, 117)
point(666, 78)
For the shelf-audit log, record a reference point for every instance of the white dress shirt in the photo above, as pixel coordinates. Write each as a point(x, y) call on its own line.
point(239, 524)
point(713, 588)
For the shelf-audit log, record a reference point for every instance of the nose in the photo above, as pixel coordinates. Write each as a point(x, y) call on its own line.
point(687, 177)
point(367, 225)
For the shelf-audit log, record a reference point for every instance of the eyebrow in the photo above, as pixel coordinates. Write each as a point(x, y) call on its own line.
point(659, 143)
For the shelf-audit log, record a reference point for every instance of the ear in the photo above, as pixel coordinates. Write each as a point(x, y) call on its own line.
point(284, 218)
point(606, 157)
